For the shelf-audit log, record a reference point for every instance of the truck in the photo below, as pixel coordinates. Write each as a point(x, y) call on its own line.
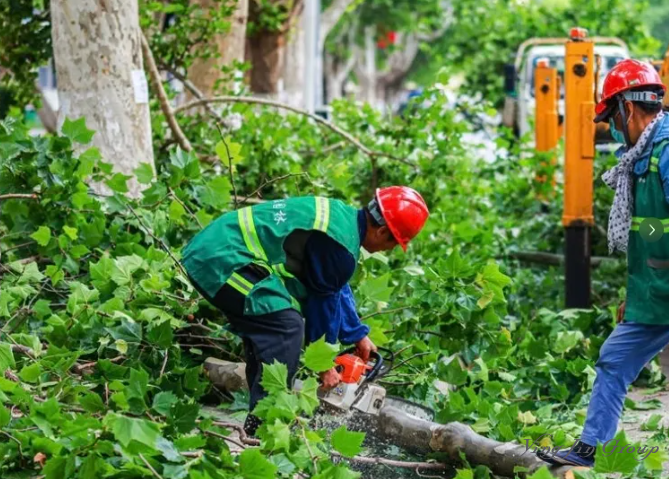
point(519, 106)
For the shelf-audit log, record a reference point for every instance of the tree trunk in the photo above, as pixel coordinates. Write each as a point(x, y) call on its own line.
point(366, 68)
point(293, 66)
point(416, 435)
point(265, 49)
point(98, 58)
point(205, 73)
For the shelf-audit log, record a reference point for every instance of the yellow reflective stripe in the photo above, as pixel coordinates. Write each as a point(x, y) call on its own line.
point(635, 227)
point(322, 214)
point(281, 270)
point(246, 224)
point(653, 168)
point(654, 161)
point(665, 221)
point(240, 283)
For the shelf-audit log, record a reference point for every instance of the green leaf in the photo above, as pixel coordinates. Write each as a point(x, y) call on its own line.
point(377, 288)
point(567, 340)
point(6, 357)
point(320, 355)
point(124, 267)
point(70, 232)
point(92, 402)
point(541, 473)
point(118, 182)
point(216, 193)
point(59, 467)
point(652, 423)
point(30, 373)
point(274, 377)
point(339, 471)
point(231, 154)
point(280, 434)
point(161, 335)
point(347, 443)
point(5, 416)
point(136, 390)
point(87, 162)
point(308, 396)
point(452, 373)
point(653, 457)
point(144, 173)
point(609, 457)
point(253, 465)
point(127, 429)
point(42, 236)
point(183, 416)
point(176, 211)
point(464, 474)
point(77, 131)
point(163, 401)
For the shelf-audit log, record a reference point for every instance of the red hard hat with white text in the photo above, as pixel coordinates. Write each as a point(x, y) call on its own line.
point(404, 211)
point(625, 76)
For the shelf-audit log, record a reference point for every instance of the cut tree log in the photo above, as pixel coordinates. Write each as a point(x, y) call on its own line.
point(416, 435)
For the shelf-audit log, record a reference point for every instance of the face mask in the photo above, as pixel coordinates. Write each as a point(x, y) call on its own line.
point(615, 133)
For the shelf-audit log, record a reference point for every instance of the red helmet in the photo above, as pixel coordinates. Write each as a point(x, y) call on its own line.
point(404, 210)
point(626, 75)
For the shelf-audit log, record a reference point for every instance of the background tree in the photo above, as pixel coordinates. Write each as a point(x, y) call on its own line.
point(98, 57)
point(229, 44)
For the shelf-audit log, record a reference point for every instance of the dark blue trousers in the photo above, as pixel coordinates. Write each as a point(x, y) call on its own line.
point(267, 338)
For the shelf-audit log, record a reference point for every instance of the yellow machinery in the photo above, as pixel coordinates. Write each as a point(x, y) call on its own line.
point(547, 129)
point(662, 67)
point(577, 216)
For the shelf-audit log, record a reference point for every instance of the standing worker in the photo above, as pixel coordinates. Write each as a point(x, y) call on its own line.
point(639, 225)
point(264, 264)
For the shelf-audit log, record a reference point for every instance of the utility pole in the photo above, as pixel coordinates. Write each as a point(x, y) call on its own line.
point(577, 217)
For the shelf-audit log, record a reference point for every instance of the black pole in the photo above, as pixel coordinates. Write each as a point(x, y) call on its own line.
point(577, 266)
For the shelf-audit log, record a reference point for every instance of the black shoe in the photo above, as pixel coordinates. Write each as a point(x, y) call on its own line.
point(251, 425)
point(580, 454)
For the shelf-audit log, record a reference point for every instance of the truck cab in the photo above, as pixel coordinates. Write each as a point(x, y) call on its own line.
point(520, 115)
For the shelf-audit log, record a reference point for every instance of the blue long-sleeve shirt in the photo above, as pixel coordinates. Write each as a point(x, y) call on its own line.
point(330, 307)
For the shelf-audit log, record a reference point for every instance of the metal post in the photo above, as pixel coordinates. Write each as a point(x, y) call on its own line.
point(546, 92)
point(577, 215)
point(311, 19)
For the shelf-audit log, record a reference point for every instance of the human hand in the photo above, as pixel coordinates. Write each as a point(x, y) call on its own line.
point(364, 348)
point(330, 379)
point(621, 312)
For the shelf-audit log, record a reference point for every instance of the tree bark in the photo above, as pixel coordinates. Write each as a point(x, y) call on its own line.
point(98, 57)
point(265, 49)
point(292, 89)
point(417, 435)
point(205, 73)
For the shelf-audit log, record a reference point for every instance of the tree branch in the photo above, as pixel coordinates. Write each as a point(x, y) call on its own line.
point(162, 96)
point(427, 466)
point(19, 196)
point(330, 17)
point(153, 471)
point(261, 101)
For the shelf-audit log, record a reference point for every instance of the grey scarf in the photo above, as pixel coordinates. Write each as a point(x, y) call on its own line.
point(620, 178)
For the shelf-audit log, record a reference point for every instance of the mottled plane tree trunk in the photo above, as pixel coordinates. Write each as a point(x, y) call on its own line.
point(98, 58)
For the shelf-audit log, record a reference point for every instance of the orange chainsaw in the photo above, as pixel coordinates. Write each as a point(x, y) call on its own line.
point(357, 389)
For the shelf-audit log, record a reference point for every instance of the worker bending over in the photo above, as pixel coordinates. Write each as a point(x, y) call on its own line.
point(267, 265)
point(639, 225)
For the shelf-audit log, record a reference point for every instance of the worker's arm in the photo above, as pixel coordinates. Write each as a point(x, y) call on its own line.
point(330, 308)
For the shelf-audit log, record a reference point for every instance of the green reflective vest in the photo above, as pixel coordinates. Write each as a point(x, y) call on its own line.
point(258, 234)
point(648, 263)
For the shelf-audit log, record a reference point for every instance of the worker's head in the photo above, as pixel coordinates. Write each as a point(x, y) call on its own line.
point(631, 97)
point(395, 216)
